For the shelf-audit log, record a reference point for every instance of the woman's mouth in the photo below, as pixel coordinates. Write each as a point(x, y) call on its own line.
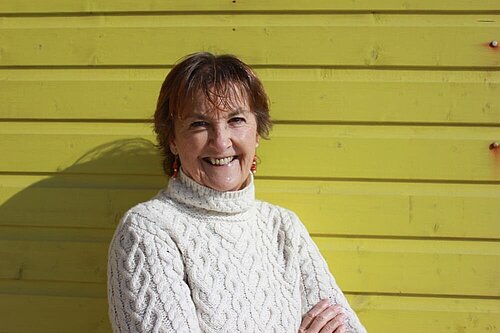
point(220, 161)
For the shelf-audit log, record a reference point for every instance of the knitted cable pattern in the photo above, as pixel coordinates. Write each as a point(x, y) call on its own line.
point(196, 260)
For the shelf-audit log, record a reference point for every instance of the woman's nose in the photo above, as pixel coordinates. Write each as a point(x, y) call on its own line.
point(221, 137)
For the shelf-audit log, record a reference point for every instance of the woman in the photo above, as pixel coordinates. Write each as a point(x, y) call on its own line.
point(204, 255)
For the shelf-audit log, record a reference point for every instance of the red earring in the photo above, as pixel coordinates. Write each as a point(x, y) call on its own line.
point(175, 167)
point(253, 168)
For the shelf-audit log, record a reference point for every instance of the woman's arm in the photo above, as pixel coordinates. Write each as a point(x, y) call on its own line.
point(318, 283)
point(146, 290)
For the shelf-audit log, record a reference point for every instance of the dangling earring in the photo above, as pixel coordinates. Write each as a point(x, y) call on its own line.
point(175, 167)
point(253, 168)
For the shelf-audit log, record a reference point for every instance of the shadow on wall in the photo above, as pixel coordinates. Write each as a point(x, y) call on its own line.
point(131, 157)
point(56, 231)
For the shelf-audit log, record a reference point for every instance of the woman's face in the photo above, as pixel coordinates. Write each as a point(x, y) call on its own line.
point(216, 148)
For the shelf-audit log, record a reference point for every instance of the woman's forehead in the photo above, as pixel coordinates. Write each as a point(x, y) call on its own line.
point(217, 107)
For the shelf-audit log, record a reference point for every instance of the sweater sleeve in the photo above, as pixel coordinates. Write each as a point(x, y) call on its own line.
point(146, 289)
point(317, 281)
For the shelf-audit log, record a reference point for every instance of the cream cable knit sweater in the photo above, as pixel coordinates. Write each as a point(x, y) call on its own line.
point(196, 260)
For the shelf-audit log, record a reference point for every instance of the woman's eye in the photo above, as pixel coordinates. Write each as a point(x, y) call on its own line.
point(237, 120)
point(198, 124)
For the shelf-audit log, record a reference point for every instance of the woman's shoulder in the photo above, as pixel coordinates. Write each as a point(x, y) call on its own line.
point(150, 216)
point(279, 216)
point(270, 209)
point(143, 226)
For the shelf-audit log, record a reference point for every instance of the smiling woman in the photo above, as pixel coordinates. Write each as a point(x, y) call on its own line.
point(204, 255)
point(216, 148)
point(204, 87)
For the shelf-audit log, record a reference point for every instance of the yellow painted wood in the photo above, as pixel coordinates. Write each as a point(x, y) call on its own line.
point(362, 190)
point(414, 267)
point(389, 209)
point(34, 313)
point(359, 265)
point(328, 40)
point(396, 102)
point(434, 314)
point(337, 151)
point(440, 153)
point(55, 260)
point(425, 314)
point(37, 314)
point(58, 206)
point(92, 6)
point(64, 201)
point(57, 234)
point(325, 207)
point(98, 148)
point(296, 95)
point(51, 288)
point(190, 20)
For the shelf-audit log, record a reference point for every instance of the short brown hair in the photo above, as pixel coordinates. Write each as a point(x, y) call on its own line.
point(218, 79)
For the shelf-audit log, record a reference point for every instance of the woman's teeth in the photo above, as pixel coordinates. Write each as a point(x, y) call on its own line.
point(221, 161)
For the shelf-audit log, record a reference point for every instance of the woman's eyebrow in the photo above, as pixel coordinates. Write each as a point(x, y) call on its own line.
point(197, 115)
point(236, 112)
point(204, 116)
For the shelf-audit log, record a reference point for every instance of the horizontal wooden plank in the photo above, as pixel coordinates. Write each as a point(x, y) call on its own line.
point(325, 40)
point(325, 207)
point(296, 95)
point(415, 267)
point(67, 206)
point(438, 153)
point(339, 151)
point(391, 314)
point(92, 6)
point(55, 260)
point(359, 265)
point(423, 314)
point(197, 20)
point(51, 234)
point(37, 314)
point(389, 209)
point(94, 149)
point(52, 288)
point(64, 200)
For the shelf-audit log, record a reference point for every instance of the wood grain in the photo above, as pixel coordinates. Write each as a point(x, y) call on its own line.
point(365, 41)
point(93, 6)
point(326, 151)
point(392, 314)
point(384, 209)
point(298, 95)
point(359, 265)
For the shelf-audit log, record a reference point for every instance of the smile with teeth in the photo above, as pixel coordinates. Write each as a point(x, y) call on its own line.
point(220, 161)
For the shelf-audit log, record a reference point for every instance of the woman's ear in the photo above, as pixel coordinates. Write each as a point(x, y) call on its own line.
point(257, 138)
point(173, 147)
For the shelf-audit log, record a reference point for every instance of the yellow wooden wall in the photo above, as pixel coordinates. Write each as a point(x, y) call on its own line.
point(384, 109)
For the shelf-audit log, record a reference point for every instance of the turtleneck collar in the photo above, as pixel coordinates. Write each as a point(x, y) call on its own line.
point(185, 190)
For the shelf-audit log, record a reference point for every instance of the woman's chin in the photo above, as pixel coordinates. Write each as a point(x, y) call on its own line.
point(226, 182)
